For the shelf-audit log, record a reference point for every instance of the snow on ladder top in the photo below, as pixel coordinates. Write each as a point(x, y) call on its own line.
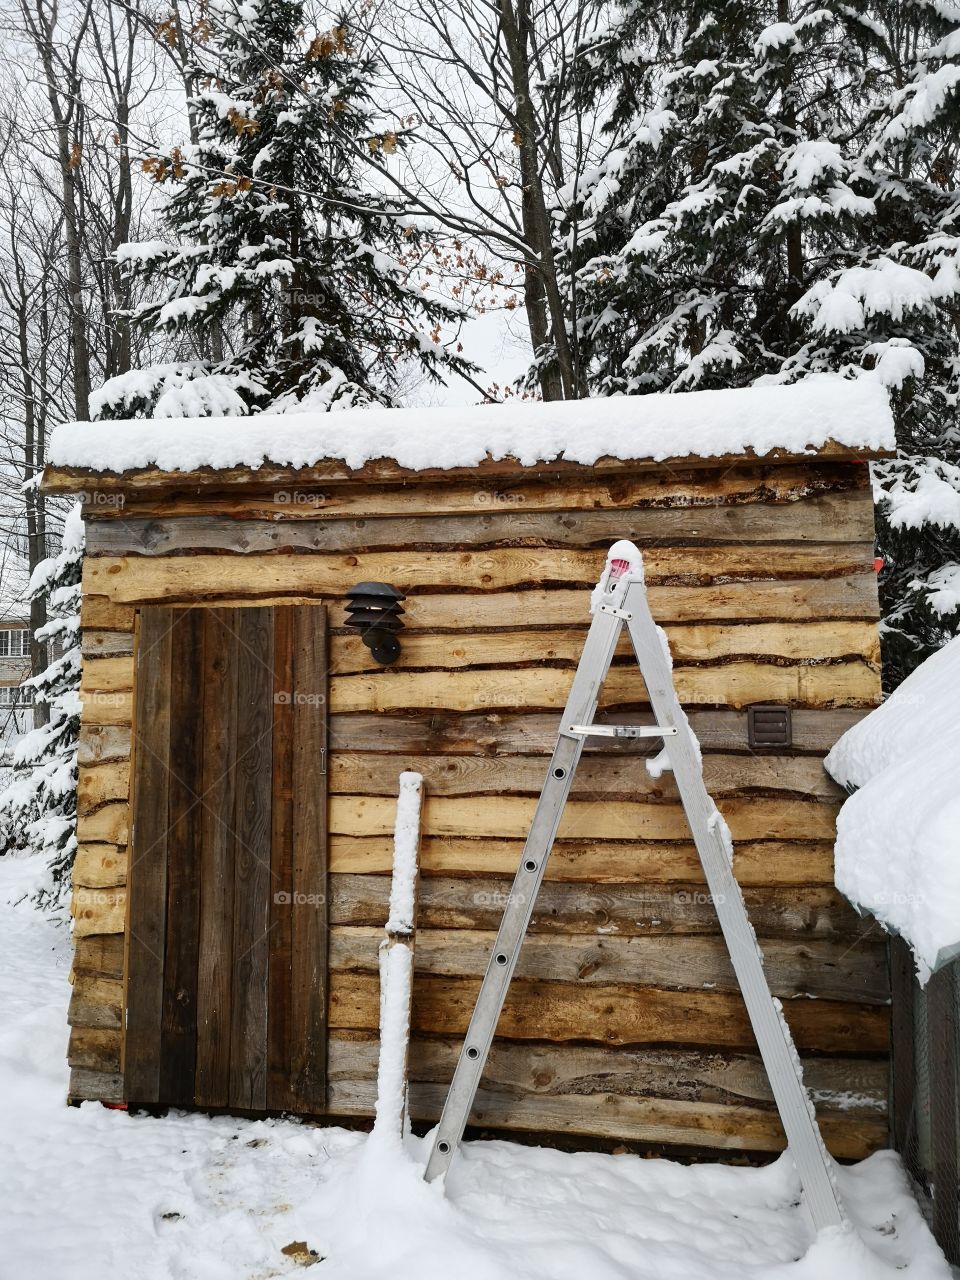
point(824, 413)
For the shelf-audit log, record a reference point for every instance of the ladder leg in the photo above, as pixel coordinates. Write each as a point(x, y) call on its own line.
point(709, 833)
point(581, 704)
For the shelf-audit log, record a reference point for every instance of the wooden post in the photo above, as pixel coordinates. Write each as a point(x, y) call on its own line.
point(396, 962)
point(903, 1096)
point(942, 1034)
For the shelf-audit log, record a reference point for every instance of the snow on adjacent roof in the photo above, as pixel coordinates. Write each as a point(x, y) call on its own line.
point(797, 419)
point(898, 835)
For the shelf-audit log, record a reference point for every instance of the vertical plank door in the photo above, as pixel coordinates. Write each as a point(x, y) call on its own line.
point(226, 994)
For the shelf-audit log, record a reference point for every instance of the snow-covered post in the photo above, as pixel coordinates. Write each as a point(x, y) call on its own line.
point(396, 962)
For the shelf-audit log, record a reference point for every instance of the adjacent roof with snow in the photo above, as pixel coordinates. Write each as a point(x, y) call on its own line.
point(823, 414)
point(897, 836)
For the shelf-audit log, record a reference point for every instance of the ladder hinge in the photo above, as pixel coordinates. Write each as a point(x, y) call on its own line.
point(624, 614)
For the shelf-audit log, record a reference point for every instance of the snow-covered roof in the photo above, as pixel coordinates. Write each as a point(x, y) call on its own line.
point(898, 835)
point(803, 418)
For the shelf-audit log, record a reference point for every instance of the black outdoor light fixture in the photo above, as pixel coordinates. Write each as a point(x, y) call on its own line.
point(374, 609)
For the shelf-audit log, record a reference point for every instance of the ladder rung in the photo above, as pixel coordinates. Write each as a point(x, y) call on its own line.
point(622, 731)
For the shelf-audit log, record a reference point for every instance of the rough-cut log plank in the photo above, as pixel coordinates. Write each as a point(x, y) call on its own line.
point(535, 733)
point(252, 888)
point(107, 708)
point(280, 1037)
point(100, 866)
point(95, 1086)
point(773, 862)
point(833, 517)
point(736, 684)
point(102, 783)
point(98, 911)
point(857, 1086)
point(148, 870)
point(517, 733)
point(107, 825)
point(96, 1002)
point(99, 955)
point(814, 642)
point(623, 777)
point(386, 471)
point(613, 1015)
point(851, 596)
point(826, 970)
point(649, 1095)
point(820, 641)
point(98, 613)
point(215, 968)
point(671, 487)
point(106, 644)
point(95, 1049)
point(102, 743)
point(178, 1046)
point(510, 816)
point(650, 1121)
point(135, 579)
point(623, 909)
point(107, 675)
point(309, 976)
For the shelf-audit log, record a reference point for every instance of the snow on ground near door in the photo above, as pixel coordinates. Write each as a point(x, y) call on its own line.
point(93, 1194)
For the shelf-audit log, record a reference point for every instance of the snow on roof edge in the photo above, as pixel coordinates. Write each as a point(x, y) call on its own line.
point(801, 418)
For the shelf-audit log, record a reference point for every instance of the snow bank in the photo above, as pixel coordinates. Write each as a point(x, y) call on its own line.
point(799, 418)
point(898, 836)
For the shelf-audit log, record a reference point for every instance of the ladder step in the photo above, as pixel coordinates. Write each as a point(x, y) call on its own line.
point(622, 731)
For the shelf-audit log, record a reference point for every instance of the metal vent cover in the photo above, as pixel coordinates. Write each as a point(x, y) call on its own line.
point(768, 726)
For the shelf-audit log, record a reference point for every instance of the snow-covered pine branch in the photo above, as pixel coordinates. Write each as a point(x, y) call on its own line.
point(38, 810)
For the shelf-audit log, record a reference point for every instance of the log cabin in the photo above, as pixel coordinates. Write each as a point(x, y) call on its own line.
point(241, 746)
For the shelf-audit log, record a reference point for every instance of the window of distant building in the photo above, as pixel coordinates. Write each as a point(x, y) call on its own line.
point(15, 643)
point(15, 695)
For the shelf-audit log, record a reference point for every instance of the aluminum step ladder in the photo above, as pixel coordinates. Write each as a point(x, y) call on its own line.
point(620, 599)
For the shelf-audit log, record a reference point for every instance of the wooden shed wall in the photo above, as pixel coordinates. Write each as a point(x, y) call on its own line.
point(624, 1019)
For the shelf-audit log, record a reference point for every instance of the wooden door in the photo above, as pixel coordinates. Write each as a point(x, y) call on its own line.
point(226, 992)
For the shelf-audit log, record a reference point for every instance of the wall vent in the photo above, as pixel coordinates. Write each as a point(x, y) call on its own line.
point(769, 726)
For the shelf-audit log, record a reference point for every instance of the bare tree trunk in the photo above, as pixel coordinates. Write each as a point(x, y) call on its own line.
point(562, 383)
point(62, 84)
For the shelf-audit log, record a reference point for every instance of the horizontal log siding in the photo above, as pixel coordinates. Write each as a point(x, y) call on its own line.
point(625, 1020)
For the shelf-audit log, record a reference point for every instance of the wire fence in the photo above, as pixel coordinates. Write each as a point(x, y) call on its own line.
point(926, 1089)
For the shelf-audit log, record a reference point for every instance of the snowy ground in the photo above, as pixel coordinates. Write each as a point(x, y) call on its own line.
point(93, 1194)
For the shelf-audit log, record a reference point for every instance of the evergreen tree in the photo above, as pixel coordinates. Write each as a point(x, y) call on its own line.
point(898, 310)
point(38, 810)
point(295, 281)
point(728, 192)
point(782, 199)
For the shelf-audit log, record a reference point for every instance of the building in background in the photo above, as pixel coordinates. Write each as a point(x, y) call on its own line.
point(16, 702)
